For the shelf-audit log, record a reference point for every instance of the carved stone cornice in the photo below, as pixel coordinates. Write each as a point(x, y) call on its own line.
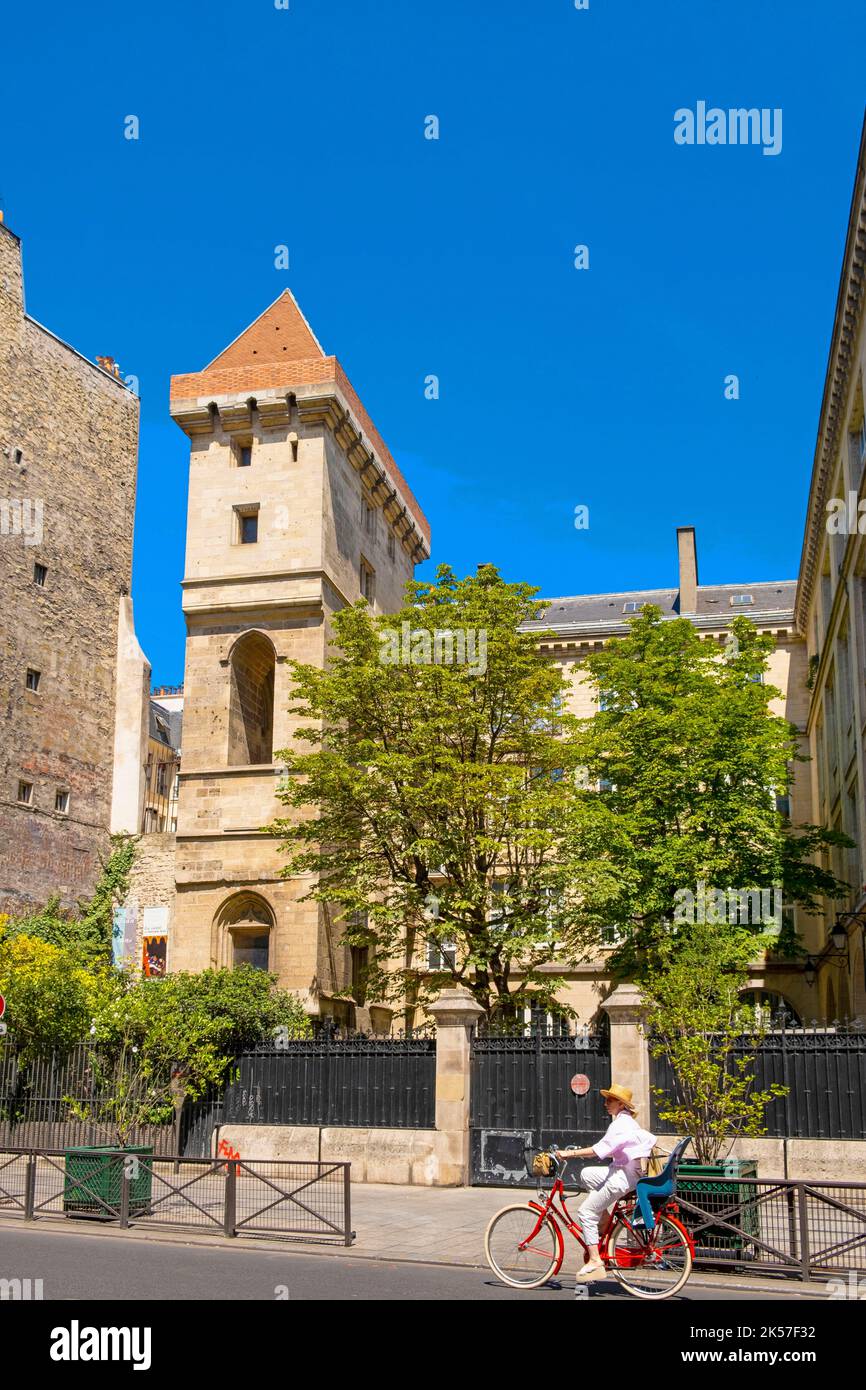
point(837, 386)
point(275, 412)
point(192, 417)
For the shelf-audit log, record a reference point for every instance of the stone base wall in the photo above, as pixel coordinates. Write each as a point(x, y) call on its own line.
point(417, 1157)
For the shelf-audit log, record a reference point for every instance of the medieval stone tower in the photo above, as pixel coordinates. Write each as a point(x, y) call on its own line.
point(296, 508)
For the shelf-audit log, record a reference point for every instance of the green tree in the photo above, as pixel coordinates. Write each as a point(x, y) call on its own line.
point(697, 1020)
point(690, 761)
point(438, 807)
point(48, 995)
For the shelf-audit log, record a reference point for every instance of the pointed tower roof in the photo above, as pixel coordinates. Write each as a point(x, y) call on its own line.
point(280, 333)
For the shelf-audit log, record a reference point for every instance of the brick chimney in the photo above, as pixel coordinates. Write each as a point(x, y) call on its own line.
point(688, 561)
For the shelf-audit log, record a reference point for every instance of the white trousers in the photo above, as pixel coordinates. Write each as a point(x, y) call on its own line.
point(606, 1186)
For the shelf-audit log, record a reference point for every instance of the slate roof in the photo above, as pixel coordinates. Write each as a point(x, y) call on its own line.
point(774, 598)
point(166, 725)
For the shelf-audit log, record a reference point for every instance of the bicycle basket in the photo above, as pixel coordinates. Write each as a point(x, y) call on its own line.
point(542, 1165)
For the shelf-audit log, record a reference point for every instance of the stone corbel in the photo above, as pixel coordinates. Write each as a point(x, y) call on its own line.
point(236, 419)
point(275, 412)
point(317, 410)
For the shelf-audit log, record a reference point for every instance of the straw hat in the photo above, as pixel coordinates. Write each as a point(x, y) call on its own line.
point(621, 1093)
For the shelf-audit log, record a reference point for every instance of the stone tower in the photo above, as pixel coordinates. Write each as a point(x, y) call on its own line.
point(68, 653)
point(296, 508)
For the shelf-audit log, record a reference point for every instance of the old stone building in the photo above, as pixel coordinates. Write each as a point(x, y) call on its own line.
point(831, 612)
point(68, 446)
point(296, 508)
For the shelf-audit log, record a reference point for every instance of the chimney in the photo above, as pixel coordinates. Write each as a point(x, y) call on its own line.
point(688, 560)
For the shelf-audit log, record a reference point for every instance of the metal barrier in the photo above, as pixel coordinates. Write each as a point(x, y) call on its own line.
point(786, 1225)
point(294, 1200)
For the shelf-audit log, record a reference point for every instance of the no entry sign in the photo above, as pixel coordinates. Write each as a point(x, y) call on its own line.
point(580, 1084)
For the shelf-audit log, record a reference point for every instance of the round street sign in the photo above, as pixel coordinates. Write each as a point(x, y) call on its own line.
point(2, 1006)
point(580, 1084)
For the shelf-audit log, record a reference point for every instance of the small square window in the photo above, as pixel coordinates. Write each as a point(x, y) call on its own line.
point(40, 574)
point(33, 678)
point(25, 793)
point(61, 801)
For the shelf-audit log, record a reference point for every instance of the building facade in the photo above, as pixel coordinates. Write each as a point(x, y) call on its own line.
point(831, 613)
point(68, 451)
point(296, 508)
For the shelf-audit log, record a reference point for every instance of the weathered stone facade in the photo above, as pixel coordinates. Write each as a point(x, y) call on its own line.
point(292, 493)
point(68, 445)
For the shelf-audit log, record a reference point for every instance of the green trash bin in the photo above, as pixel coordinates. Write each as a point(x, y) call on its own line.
point(94, 1175)
point(721, 1197)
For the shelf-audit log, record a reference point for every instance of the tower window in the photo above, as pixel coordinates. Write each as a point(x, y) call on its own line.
point(25, 793)
point(368, 581)
point(247, 525)
point(61, 801)
point(244, 455)
point(40, 574)
point(392, 548)
point(33, 678)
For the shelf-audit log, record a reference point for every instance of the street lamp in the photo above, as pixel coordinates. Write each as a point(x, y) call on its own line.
point(839, 935)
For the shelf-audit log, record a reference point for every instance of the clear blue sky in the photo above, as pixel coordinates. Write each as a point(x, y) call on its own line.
point(261, 126)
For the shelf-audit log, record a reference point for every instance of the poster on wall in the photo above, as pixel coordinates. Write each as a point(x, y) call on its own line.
point(154, 953)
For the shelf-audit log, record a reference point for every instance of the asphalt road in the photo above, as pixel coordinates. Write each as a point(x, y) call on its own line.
point(91, 1267)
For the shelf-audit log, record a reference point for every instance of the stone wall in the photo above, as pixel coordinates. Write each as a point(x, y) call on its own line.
point(149, 904)
point(68, 442)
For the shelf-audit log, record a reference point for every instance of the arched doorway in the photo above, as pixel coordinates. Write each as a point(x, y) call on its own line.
point(244, 927)
point(251, 701)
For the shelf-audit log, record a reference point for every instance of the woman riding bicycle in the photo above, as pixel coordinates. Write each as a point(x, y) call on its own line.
point(626, 1145)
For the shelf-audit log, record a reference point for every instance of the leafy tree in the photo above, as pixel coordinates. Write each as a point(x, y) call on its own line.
point(690, 761)
point(438, 807)
point(47, 995)
point(697, 1020)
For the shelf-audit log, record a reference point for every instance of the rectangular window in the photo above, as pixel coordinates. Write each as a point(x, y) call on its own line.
point(40, 574)
point(61, 801)
point(741, 600)
point(441, 958)
point(247, 524)
point(368, 581)
point(631, 606)
point(25, 793)
point(32, 678)
point(243, 453)
point(392, 548)
point(369, 518)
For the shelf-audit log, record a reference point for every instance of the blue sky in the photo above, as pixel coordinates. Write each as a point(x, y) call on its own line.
point(410, 257)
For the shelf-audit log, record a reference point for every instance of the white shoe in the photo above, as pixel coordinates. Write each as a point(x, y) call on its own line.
point(590, 1270)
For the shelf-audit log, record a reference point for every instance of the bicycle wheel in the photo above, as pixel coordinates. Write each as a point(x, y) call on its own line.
point(519, 1254)
point(651, 1267)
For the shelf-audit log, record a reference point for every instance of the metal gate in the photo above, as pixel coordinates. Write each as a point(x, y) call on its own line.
point(522, 1097)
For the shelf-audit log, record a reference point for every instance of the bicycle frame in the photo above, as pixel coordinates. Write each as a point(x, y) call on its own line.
point(560, 1217)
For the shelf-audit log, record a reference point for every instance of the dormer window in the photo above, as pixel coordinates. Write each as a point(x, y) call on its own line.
point(741, 600)
point(631, 606)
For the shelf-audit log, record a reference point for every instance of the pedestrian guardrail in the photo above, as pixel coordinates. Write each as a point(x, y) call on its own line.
point(232, 1197)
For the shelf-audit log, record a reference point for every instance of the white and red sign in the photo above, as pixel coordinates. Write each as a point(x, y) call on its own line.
point(580, 1084)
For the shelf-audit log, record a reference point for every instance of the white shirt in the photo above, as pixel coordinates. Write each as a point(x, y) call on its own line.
point(625, 1142)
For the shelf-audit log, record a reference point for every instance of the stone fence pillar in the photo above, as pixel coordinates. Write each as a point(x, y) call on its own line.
point(629, 1054)
point(456, 1013)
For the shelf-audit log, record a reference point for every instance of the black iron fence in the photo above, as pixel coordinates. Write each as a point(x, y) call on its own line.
point(293, 1200)
point(522, 1094)
point(352, 1080)
point(824, 1069)
point(776, 1225)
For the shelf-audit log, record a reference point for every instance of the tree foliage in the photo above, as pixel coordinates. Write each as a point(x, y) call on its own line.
point(437, 807)
point(697, 1020)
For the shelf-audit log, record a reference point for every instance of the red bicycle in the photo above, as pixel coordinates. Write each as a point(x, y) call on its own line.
point(524, 1243)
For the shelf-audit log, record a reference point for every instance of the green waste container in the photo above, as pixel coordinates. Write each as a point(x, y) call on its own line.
point(721, 1197)
point(94, 1175)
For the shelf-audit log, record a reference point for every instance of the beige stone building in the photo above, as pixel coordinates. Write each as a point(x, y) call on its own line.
point(296, 508)
point(831, 612)
point(68, 655)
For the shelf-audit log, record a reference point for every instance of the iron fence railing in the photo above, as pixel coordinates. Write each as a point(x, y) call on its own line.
point(293, 1200)
point(823, 1068)
point(776, 1225)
